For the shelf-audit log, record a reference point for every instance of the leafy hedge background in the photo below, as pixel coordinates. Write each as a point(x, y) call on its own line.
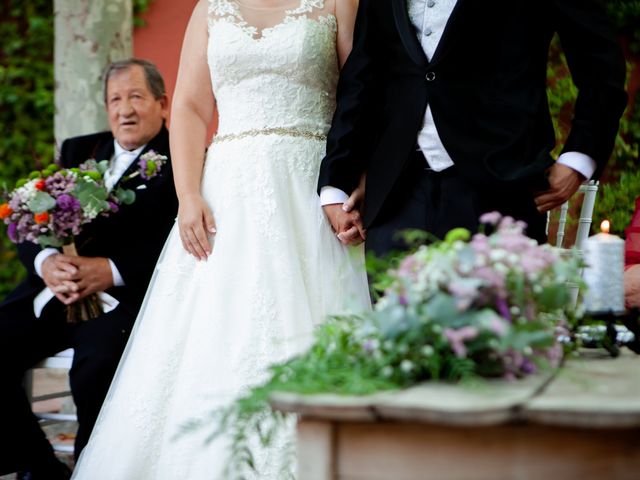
point(26, 108)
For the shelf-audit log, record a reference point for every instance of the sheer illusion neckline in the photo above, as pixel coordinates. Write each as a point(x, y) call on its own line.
point(231, 11)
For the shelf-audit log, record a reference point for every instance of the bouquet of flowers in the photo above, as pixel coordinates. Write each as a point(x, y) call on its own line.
point(483, 305)
point(51, 206)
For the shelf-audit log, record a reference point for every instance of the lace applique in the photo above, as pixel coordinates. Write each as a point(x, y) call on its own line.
point(229, 11)
point(306, 6)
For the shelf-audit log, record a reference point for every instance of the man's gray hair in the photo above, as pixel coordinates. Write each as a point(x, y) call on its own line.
point(155, 82)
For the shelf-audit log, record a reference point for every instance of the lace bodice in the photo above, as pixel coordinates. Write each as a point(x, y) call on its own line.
point(273, 68)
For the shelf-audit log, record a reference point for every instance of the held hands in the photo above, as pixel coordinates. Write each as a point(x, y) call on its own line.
point(196, 224)
point(346, 219)
point(563, 183)
point(72, 278)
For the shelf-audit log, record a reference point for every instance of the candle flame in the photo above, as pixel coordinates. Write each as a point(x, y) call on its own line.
point(605, 226)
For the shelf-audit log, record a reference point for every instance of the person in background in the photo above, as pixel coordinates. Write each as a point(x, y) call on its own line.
point(632, 260)
point(117, 255)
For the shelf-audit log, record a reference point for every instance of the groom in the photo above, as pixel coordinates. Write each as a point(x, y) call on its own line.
point(442, 104)
point(117, 256)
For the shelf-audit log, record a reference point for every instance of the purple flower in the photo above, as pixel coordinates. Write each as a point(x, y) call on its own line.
point(150, 164)
point(58, 184)
point(503, 308)
point(68, 203)
point(528, 367)
point(113, 206)
point(12, 232)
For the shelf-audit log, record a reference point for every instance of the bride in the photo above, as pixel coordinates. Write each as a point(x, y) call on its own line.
point(252, 264)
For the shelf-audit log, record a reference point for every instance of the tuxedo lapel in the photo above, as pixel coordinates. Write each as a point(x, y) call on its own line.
point(407, 34)
point(452, 26)
point(104, 151)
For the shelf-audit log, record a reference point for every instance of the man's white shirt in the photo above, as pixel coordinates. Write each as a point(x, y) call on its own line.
point(429, 19)
point(120, 162)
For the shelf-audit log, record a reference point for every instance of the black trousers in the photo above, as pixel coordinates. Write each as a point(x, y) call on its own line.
point(26, 340)
point(437, 202)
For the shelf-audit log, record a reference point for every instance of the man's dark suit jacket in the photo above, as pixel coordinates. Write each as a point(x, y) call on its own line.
point(132, 237)
point(486, 85)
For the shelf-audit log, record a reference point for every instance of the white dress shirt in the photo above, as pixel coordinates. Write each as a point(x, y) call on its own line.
point(429, 19)
point(120, 162)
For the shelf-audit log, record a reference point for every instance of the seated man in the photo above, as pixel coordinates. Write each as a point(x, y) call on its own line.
point(117, 256)
point(632, 261)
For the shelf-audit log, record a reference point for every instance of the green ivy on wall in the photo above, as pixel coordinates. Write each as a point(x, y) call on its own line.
point(625, 15)
point(140, 7)
point(26, 105)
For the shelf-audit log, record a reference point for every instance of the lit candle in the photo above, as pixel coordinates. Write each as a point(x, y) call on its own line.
point(604, 255)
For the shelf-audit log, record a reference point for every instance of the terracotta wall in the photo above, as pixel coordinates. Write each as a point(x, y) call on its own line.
point(160, 40)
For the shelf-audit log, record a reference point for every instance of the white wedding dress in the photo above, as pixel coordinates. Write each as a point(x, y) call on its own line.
point(208, 331)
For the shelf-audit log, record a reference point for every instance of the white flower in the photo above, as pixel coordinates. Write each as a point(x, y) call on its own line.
point(515, 310)
point(406, 366)
point(527, 350)
point(497, 255)
point(387, 371)
point(427, 350)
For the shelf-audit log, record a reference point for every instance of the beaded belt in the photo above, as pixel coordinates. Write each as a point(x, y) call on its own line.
point(288, 132)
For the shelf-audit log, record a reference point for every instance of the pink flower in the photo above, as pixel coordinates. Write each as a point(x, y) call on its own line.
point(491, 218)
point(457, 337)
point(498, 326)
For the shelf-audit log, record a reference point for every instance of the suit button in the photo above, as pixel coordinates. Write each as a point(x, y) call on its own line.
point(430, 76)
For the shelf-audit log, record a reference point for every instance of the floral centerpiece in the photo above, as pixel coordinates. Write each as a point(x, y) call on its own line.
point(469, 306)
point(51, 206)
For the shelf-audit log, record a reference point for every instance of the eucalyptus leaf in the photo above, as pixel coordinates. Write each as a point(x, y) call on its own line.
point(50, 241)
point(92, 197)
point(41, 202)
point(125, 196)
point(102, 166)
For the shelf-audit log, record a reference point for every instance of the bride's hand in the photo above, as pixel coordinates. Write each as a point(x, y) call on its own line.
point(196, 224)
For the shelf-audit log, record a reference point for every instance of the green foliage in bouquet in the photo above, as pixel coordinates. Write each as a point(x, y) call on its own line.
point(467, 307)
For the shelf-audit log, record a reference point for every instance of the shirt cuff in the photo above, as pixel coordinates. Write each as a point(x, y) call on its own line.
point(41, 257)
point(580, 162)
point(330, 195)
point(118, 281)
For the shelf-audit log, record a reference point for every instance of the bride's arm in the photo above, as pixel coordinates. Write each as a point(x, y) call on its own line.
point(191, 113)
point(345, 18)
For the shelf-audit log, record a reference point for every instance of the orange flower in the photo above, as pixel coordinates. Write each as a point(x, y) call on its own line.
point(5, 211)
point(41, 218)
point(40, 185)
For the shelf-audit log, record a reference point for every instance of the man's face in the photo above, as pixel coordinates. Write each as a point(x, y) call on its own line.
point(135, 116)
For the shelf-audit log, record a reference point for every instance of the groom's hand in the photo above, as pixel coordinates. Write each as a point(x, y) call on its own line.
point(347, 225)
point(563, 183)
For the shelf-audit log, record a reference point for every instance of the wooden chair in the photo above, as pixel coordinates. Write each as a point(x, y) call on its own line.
point(586, 216)
point(61, 360)
point(590, 191)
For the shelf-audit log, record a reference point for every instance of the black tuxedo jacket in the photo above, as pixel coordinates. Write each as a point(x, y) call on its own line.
point(486, 85)
point(133, 237)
